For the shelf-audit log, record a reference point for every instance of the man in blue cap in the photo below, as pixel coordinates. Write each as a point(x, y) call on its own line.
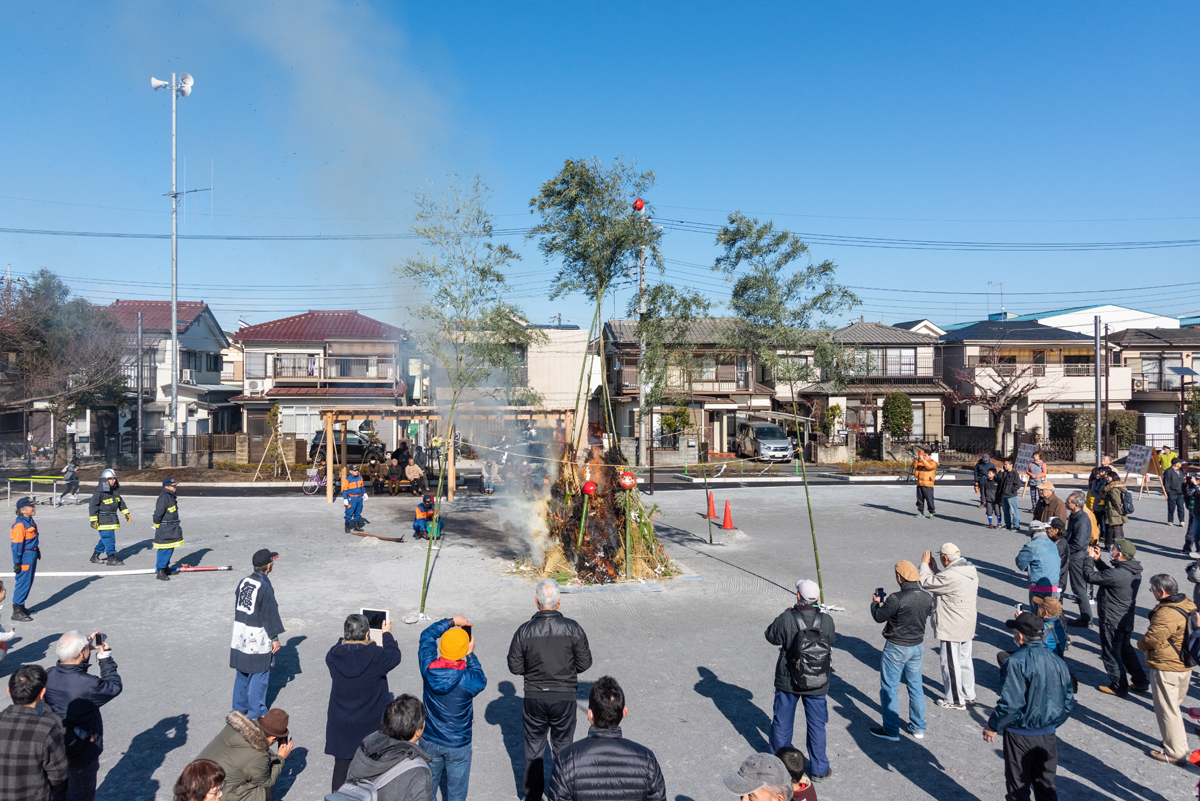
point(25, 555)
point(168, 534)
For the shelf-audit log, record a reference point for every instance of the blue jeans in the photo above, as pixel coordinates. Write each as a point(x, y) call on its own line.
point(250, 693)
point(488, 484)
point(1175, 504)
point(163, 558)
point(354, 510)
point(902, 662)
point(816, 715)
point(1012, 514)
point(451, 769)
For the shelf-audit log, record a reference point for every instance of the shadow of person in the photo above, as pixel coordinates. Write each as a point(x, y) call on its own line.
point(286, 669)
point(132, 777)
point(27, 654)
point(134, 549)
point(193, 559)
point(63, 594)
point(508, 713)
point(736, 704)
point(293, 766)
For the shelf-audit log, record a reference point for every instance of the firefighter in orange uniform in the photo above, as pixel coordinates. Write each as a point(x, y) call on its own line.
point(424, 517)
point(25, 555)
point(352, 496)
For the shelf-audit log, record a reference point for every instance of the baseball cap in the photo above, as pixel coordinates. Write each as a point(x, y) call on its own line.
point(1037, 525)
point(274, 723)
point(951, 550)
point(353, 468)
point(759, 771)
point(168, 482)
point(1027, 623)
point(264, 557)
point(27, 501)
point(1127, 548)
point(808, 590)
point(1057, 522)
point(1051, 605)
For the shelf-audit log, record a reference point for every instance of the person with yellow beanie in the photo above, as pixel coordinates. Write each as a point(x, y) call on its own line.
point(452, 677)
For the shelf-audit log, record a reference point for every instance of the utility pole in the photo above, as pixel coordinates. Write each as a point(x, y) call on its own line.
point(1107, 443)
point(141, 357)
point(644, 445)
point(1001, 285)
point(1099, 375)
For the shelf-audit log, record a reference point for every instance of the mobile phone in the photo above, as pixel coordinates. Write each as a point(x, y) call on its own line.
point(99, 639)
point(467, 629)
point(1020, 608)
point(879, 593)
point(375, 617)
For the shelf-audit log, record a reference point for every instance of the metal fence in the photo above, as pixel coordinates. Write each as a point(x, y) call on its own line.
point(1058, 449)
point(191, 443)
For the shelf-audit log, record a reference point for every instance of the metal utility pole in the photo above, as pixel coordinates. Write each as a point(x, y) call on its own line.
point(141, 358)
point(643, 429)
point(1107, 442)
point(1098, 377)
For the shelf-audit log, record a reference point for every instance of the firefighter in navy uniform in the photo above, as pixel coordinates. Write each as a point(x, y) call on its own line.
point(104, 510)
point(352, 497)
point(168, 534)
point(423, 517)
point(25, 554)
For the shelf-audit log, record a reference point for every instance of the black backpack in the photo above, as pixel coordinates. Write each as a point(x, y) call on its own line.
point(1190, 655)
point(808, 655)
point(1126, 502)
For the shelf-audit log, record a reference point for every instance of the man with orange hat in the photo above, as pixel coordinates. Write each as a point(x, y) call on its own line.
point(452, 677)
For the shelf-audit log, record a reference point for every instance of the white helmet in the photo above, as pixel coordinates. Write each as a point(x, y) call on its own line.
point(107, 474)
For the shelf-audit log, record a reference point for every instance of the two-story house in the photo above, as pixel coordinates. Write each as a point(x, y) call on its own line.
point(1150, 353)
point(320, 360)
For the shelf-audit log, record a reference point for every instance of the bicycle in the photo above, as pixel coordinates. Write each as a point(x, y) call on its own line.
point(315, 481)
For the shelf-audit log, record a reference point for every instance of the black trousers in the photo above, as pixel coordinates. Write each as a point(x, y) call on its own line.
point(1112, 533)
point(1030, 763)
point(1118, 656)
point(555, 717)
point(925, 496)
point(340, 768)
point(1080, 588)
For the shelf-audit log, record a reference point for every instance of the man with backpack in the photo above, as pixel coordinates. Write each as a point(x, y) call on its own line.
point(1166, 645)
point(903, 614)
point(390, 765)
point(805, 636)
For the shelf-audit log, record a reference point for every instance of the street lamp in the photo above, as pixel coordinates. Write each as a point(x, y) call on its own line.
point(182, 86)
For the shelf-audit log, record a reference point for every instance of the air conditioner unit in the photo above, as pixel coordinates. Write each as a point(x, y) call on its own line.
point(1139, 384)
point(189, 376)
point(254, 388)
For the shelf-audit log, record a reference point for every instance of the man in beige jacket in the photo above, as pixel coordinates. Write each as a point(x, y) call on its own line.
point(955, 588)
point(1163, 643)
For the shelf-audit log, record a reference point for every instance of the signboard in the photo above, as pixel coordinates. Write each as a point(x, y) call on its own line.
point(1138, 460)
point(1025, 456)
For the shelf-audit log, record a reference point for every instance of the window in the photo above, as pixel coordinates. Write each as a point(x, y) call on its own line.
point(256, 364)
point(900, 361)
point(708, 369)
point(212, 362)
point(918, 429)
point(1156, 374)
point(743, 372)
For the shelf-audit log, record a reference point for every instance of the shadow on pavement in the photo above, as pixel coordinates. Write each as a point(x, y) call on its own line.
point(63, 594)
point(131, 778)
point(685, 539)
point(286, 669)
point(133, 550)
point(507, 712)
point(28, 654)
point(193, 559)
point(293, 766)
point(1008, 575)
point(1102, 774)
point(906, 513)
point(736, 704)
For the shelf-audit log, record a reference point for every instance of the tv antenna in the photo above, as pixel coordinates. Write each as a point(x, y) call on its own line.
point(1001, 285)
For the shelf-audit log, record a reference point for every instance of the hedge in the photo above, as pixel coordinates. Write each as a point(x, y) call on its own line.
point(1080, 425)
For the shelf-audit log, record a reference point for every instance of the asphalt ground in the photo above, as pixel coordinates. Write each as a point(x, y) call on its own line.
point(692, 659)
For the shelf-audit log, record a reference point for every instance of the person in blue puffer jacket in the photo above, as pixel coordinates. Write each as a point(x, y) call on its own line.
point(452, 677)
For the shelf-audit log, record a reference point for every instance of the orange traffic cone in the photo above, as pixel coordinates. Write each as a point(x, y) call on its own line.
point(712, 510)
point(727, 525)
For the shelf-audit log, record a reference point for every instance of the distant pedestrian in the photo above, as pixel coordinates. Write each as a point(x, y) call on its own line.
point(358, 690)
point(1191, 498)
point(605, 766)
point(168, 533)
point(990, 500)
point(243, 750)
point(1164, 643)
point(925, 469)
point(31, 741)
point(488, 476)
point(70, 482)
point(1079, 539)
point(1115, 495)
point(955, 588)
point(1172, 479)
point(1048, 504)
point(904, 614)
point(805, 636)
point(1035, 699)
point(1036, 472)
point(451, 677)
point(391, 757)
point(1010, 490)
point(256, 630)
point(1039, 559)
point(76, 696)
point(201, 780)
point(1098, 491)
point(26, 552)
point(1167, 458)
point(104, 512)
point(802, 786)
point(550, 651)
point(762, 777)
point(1116, 601)
point(981, 470)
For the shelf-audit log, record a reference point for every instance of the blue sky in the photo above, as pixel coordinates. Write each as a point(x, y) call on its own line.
point(945, 122)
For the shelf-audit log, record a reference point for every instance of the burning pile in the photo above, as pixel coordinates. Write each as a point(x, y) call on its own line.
point(591, 517)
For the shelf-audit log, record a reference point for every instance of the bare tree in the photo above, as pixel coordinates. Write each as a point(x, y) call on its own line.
point(998, 384)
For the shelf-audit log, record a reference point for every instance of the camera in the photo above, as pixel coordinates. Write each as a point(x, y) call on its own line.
point(99, 639)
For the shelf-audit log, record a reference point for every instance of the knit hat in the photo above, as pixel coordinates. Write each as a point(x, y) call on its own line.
point(907, 570)
point(808, 590)
point(454, 644)
point(1053, 606)
point(1127, 548)
point(950, 551)
point(274, 723)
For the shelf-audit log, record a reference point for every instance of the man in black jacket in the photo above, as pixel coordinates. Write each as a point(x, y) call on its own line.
point(1010, 489)
point(168, 534)
point(1115, 600)
point(804, 616)
point(1172, 480)
point(605, 766)
point(550, 651)
point(904, 614)
point(1079, 537)
point(76, 696)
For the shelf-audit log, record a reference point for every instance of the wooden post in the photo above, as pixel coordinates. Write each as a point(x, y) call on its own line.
point(328, 459)
point(450, 475)
point(343, 468)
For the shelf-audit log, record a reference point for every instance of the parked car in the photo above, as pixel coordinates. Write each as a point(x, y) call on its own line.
point(358, 449)
point(763, 441)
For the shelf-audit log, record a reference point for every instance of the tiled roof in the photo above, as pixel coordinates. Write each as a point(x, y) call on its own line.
point(1012, 331)
point(156, 314)
point(879, 334)
point(1156, 336)
point(707, 331)
point(319, 326)
point(344, 392)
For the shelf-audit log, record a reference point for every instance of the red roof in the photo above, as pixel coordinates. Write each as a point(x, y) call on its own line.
point(358, 392)
point(156, 314)
point(318, 326)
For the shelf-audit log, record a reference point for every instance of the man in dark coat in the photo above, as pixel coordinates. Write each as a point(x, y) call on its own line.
point(605, 766)
point(256, 630)
point(394, 747)
point(168, 534)
point(76, 696)
point(359, 690)
point(1079, 537)
point(452, 677)
point(904, 615)
point(1116, 600)
point(804, 616)
point(550, 651)
point(1172, 479)
point(1010, 489)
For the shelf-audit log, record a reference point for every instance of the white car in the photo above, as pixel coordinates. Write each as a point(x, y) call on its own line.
point(765, 441)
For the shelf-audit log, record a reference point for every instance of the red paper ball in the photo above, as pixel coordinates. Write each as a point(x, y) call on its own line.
point(627, 480)
point(589, 488)
point(638, 204)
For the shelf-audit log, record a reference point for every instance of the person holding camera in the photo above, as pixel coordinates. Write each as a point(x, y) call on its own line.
point(243, 750)
point(76, 696)
point(358, 692)
point(1116, 602)
point(903, 614)
point(452, 677)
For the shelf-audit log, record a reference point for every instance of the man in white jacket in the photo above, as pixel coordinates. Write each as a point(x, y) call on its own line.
point(955, 588)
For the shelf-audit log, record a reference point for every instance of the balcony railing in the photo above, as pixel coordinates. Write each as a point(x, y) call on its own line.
point(1155, 382)
point(335, 368)
point(149, 378)
point(725, 378)
point(919, 370)
point(1079, 369)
